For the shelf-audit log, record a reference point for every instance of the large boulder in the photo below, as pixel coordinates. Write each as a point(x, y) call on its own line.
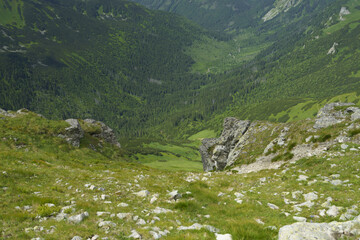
point(105, 132)
point(324, 231)
point(215, 152)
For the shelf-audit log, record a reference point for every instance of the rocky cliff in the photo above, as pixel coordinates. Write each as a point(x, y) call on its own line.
point(252, 146)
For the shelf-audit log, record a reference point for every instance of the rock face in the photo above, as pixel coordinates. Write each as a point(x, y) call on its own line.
point(280, 6)
point(106, 132)
point(324, 231)
point(218, 153)
point(328, 116)
point(74, 133)
point(266, 145)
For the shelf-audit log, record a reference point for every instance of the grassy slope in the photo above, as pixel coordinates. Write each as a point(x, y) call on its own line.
point(38, 168)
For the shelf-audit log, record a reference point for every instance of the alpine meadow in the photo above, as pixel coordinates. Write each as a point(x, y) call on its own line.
point(180, 119)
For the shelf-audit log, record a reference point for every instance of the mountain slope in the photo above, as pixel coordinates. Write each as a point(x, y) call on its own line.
point(110, 60)
point(225, 15)
point(53, 190)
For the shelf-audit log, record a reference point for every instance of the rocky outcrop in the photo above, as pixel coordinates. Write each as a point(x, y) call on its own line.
point(332, 50)
point(215, 152)
point(329, 115)
point(74, 133)
point(105, 133)
point(324, 231)
point(264, 145)
point(280, 6)
point(343, 11)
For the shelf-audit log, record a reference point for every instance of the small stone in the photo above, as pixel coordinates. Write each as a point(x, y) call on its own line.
point(107, 224)
point(103, 196)
point(221, 194)
point(123, 205)
point(344, 146)
point(333, 211)
point(135, 235)
point(336, 182)
point(123, 215)
point(143, 193)
point(175, 195)
point(239, 195)
point(99, 214)
point(78, 218)
point(272, 206)
point(299, 219)
point(311, 196)
point(259, 221)
point(223, 236)
point(76, 238)
point(302, 178)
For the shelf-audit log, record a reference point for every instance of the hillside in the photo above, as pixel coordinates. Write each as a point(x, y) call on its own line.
point(110, 60)
point(151, 74)
point(52, 189)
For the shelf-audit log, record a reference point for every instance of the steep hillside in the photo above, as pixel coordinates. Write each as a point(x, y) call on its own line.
point(228, 15)
point(110, 60)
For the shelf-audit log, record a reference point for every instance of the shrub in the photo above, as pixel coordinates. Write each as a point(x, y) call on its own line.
point(291, 146)
point(354, 132)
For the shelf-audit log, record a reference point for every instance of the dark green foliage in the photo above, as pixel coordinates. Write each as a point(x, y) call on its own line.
point(354, 132)
point(322, 138)
point(283, 157)
point(125, 65)
point(291, 146)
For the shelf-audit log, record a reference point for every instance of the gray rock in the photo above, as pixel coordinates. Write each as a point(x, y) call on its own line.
point(61, 216)
point(141, 222)
point(302, 178)
point(195, 226)
point(272, 206)
point(76, 238)
point(323, 231)
point(336, 182)
point(344, 146)
point(223, 236)
point(306, 231)
point(105, 133)
point(175, 195)
point(311, 196)
point(107, 224)
point(73, 133)
point(78, 218)
point(328, 116)
point(135, 235)
point(218, 153)
point(123, 215)
point(299, 219)
point(333, 211)
point(159, 210)
point(142, 193)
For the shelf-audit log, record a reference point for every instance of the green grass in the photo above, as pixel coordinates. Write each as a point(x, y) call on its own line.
point(12, 14)
point(203, 134)
point(48, 170)
point(171, 157)
point(214, 56)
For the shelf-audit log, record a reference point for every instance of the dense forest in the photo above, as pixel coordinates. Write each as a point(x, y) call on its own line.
point(132, 68)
